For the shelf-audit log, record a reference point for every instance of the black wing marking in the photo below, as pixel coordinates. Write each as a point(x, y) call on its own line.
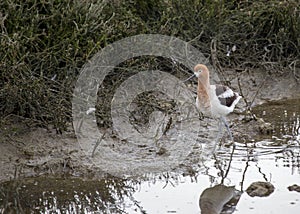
point(220, 89)
point(225, 95)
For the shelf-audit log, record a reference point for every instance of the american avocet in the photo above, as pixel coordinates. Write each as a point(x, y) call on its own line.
point(215, 101)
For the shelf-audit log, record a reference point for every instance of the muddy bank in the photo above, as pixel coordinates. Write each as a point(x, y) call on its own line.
point(31, 151)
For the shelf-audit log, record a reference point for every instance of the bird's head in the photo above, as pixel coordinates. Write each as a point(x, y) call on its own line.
point(201, 70)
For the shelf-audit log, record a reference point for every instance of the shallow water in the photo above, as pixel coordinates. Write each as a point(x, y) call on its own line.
point(273, 158)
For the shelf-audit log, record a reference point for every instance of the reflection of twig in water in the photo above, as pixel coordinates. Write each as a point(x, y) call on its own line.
point(229, 164)
point(244, 172)
point(219, 167)
point(167, 181)
point(263, 174)
point(259, 170)
point(224, 175)
point(137, 204)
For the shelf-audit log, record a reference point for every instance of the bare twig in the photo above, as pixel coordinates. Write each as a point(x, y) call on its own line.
point(257, 91)
point(97, 143)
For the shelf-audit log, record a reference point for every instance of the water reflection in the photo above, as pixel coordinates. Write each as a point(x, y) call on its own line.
point(157, 193)
point(214, 199)
point(271, 159)
point(285, 117)
point(59, 195)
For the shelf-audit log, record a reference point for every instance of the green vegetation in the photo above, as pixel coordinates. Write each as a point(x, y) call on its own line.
point(45, 43)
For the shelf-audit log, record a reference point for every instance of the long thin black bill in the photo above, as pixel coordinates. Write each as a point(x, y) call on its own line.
point(189, 78)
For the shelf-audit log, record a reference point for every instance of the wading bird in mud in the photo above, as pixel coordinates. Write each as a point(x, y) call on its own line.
point(215, 101)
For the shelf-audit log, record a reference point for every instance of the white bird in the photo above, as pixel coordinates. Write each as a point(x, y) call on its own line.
point(215, 101)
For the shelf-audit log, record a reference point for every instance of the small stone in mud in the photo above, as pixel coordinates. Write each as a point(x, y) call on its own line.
point(264, 127)
point(249, 116)
point(294, 187)
point(161, 151)
point(260, 189)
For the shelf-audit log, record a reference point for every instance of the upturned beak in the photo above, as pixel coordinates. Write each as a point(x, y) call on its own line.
point(189, 78)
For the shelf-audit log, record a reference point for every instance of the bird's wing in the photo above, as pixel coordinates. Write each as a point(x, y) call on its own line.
point(225, 95)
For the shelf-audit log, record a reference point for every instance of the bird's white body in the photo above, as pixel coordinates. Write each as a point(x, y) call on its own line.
point(217, 109)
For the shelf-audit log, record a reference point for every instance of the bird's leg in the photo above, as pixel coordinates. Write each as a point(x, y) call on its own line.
point(218, 136)
point(227, 127)
point(220, 129)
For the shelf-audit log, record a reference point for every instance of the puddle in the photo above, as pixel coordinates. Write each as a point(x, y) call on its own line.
point(273, 158)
